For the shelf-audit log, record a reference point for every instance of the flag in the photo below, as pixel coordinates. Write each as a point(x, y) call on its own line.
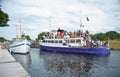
point(87, 19)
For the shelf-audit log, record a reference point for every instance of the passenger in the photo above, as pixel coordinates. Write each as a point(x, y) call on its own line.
point(87, 32)
point(105, 44)
point(91, 44)
point(84, 43)
point(87, 43)
point(78, 33)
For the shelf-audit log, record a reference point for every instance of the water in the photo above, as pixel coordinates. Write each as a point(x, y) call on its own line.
point(46, 64)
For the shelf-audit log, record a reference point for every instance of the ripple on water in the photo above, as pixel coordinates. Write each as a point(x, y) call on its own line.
point(46, 64)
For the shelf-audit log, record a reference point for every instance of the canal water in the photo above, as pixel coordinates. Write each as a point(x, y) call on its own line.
point(46, 64)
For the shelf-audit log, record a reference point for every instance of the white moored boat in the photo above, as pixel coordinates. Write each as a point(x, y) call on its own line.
point(19, 44)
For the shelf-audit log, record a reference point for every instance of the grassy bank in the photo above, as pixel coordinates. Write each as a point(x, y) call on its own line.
point(115, 44)
point(35, 45)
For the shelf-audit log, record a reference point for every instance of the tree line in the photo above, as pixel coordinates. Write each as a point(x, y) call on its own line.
point(110, 35)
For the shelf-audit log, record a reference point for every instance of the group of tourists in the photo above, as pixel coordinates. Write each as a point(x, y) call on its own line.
point(83, 34)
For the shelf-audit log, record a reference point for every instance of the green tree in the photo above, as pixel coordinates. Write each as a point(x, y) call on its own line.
point(40, 36)
point(4, 18)
point(27, 37)
point(2, 39)
point(112, 35)
point(99, 36)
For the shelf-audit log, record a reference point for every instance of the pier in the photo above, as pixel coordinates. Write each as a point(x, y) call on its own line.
point(9, 67)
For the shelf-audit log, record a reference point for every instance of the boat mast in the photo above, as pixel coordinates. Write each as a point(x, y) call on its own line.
point(16, 32)
point(20, 29)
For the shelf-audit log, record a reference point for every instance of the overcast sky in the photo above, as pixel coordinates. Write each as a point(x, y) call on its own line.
point(104, 15)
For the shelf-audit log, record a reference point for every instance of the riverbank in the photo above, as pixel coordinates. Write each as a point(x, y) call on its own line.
point(114, 45)
point(34, 45)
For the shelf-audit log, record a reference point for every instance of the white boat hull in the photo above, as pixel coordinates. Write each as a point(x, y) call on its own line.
point(22, 48)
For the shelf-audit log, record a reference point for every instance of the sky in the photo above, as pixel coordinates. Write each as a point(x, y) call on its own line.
point(45, 15)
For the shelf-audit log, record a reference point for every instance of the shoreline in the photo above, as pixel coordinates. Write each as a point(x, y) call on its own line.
point(114, 49)
point(114, 44)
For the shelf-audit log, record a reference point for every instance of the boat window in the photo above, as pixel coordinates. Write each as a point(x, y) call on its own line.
point(60, 41)
point(52, 41)
point(43, 40)
point(72, 41)
point(48, 41)
point(67, 41)
point(78, 41)
point(56, 41)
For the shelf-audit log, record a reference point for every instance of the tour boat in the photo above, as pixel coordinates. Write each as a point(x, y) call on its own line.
point(78, 41)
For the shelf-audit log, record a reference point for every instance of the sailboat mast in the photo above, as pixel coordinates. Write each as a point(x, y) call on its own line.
point(20, 29)
point(16, 32)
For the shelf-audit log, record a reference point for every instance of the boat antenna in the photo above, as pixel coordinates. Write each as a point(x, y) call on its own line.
point(50, 22)
point(81, 21)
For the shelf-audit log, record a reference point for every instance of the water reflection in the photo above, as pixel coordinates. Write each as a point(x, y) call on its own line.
point(68, 64)
point(45, 64)
point(23, 59)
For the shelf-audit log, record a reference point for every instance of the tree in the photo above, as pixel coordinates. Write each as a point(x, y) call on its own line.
point(111, 35)
point(4, 18)
point(27, 37)
point(40, 36)
point(2, 39)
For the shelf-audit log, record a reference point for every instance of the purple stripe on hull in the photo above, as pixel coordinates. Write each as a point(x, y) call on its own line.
point(77, 50)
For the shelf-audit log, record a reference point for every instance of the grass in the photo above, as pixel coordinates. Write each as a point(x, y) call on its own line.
point(114, 44)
